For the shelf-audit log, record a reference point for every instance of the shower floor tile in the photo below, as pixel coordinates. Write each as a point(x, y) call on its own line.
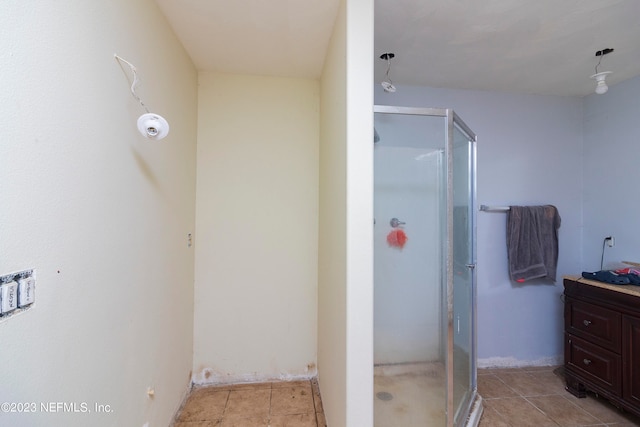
point(409, 395)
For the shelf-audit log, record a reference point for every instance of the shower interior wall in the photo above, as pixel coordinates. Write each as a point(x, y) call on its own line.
point(408, 182)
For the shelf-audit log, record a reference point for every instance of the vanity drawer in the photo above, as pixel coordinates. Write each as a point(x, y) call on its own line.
point(594, 323)
point(596, 364)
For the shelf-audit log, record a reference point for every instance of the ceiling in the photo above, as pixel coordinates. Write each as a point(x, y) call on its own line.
point(266, 37)
point(525, 46)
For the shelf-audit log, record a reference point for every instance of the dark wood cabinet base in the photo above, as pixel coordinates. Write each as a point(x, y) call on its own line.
point(602, 341)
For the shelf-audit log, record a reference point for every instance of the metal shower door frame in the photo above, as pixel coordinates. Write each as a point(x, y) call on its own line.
point(452, 121)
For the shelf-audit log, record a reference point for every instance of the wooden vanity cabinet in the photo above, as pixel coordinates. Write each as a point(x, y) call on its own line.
point(602, 341)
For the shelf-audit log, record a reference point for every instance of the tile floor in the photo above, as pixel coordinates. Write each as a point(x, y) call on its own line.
point(277, 404)
point(523, 397)
point(518, 397)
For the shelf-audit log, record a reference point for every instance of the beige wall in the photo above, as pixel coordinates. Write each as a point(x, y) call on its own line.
point(101, 213)
point(345, 285)
point(360, 212)
point(257, 228)
point(332, 259)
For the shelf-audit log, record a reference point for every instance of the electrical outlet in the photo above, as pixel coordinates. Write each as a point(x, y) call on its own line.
point(26, 291)
point(8, 297)
point(611, 241)
point(17, 292)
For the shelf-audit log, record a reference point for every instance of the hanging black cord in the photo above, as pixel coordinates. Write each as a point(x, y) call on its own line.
point(602, 53)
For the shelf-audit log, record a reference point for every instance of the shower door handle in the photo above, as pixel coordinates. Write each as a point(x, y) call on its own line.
point(471, 266)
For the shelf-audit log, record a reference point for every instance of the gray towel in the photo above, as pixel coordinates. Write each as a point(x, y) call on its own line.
point(532, 242)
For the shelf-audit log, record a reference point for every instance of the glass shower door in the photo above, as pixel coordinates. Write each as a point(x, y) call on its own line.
point(410, 379)
point(464, 259)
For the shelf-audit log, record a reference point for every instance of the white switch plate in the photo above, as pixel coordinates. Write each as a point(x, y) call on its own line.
point(8, 297)
point(26, 291)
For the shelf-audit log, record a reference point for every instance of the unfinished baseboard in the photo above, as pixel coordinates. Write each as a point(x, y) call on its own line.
point(512, 362)
point(210, 377)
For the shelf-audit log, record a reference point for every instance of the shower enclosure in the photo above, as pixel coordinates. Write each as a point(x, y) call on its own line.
point(424, 269)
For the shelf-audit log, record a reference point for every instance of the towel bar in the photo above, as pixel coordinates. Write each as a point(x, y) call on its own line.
point(486, 208)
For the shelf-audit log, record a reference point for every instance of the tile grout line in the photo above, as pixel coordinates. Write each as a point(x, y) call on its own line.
point(526, 398)
point(522, 396)
point(270, 402)
point(226, 403)
point(585, 410)
point(559, 396)
point(506, 420)
point(507, 385)
point(540, 409)
point(313, 400)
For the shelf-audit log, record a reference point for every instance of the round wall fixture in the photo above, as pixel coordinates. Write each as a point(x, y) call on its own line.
point(153, 126)
point(599, 77)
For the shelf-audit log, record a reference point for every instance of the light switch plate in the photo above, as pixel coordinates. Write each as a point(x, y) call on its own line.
point(8, 297)
point(26, 291)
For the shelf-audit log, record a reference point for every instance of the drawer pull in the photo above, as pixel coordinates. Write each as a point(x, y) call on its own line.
point(586, 322)
point(586, 361)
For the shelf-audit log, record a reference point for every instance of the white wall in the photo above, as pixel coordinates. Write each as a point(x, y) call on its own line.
point(332, 248)
point(611, 173)
point(257, 223)
point(101, 213)
point(529, 153)
point(345, 279)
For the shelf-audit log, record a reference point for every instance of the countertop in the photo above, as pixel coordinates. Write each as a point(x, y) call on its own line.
point(625, 289)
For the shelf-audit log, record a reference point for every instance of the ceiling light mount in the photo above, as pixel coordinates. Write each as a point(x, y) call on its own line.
point(599, 77)
point(387, 84)
point(601, 85)
point(153, 126)
point(604, 51)
point(150, 125)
